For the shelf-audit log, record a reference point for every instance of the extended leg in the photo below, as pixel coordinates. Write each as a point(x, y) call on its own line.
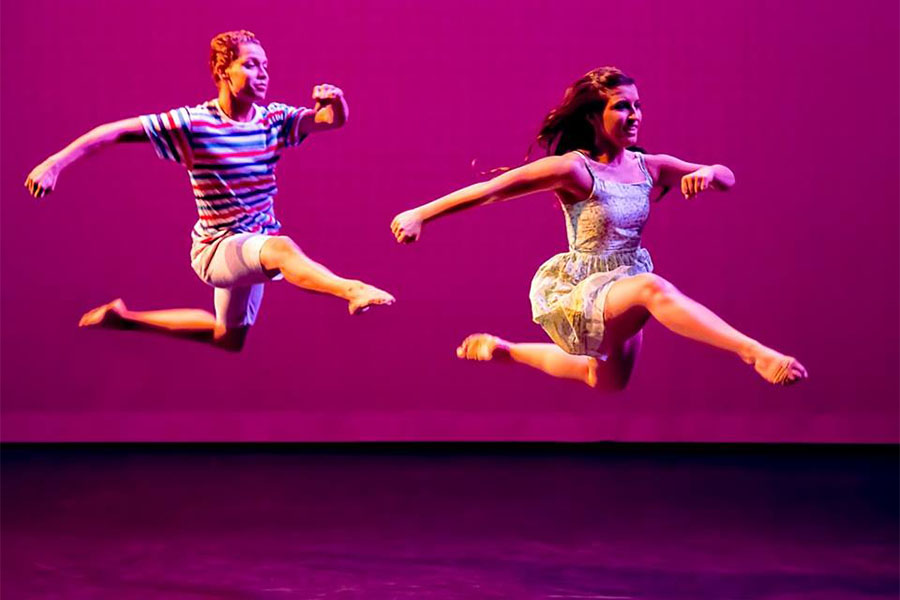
point(186, 323)
point(280, 253)
point(686, 317)
point(610, 375)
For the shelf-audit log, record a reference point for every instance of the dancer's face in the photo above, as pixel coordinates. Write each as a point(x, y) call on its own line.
point(621, 119)
point(247, 77)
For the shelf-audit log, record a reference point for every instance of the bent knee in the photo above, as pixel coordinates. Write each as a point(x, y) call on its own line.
point(231, 338)
point(609, 381)
point(277, 249)
point(653, 288)
point(619, 382)
point(284, 243)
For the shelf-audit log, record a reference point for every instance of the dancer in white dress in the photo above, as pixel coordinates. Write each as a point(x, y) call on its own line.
point(594, 300)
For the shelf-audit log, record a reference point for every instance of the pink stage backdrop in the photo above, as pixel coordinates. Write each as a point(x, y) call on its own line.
point(799, 98)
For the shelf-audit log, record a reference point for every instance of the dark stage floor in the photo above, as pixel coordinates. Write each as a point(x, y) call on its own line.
point(450, 521)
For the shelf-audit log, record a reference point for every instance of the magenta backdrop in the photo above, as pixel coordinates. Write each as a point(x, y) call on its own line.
point(800, 99)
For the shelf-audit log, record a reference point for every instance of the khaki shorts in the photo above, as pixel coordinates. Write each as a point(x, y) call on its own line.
point(231, 264)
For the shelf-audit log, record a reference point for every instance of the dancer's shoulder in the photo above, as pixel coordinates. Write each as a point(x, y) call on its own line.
point(663, 167)
point(281, 108)
point(568, 163)
point(561, 166)
point(567, 172)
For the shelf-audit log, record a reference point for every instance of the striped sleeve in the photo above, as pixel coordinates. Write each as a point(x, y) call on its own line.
point(292, 118)
point(170, 135)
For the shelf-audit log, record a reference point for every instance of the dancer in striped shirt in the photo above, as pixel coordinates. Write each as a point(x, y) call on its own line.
point(229, 146)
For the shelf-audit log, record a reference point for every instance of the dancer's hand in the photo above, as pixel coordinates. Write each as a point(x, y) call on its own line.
point(42, 178)
point(325, 94)
point(696, 182)
point(407, 226)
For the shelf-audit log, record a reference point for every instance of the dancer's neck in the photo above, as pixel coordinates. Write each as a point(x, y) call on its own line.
point(234, 108)
point(608, 154)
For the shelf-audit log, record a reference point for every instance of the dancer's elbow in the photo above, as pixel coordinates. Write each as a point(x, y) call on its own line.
point(724, 178)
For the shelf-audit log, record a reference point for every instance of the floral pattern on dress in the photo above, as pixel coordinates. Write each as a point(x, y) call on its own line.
point(568, 292)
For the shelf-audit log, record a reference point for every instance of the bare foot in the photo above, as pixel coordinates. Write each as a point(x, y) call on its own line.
point(364, 296)
point(483, 346)
point(110, 315)
point(775, 367)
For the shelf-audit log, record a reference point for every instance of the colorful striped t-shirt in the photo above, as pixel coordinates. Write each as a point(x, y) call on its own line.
point(231, 164)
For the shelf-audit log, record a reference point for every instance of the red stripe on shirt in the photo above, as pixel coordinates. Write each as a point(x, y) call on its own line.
point(200, 123)
point(228, 213)
point(241, 154)
point(223, 186)
point(178, 134)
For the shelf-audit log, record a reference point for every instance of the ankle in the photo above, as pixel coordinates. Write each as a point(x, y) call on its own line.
point(348, 289)
point(750, 351)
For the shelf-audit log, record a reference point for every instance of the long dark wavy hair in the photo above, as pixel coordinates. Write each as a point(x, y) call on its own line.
point(567, 127)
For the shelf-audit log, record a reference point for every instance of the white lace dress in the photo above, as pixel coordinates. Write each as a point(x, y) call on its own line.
point(568, 292)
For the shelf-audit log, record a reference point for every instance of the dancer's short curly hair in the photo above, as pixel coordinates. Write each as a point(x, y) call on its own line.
point(225, 47)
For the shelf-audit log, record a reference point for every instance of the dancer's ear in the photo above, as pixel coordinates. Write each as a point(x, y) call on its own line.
point(221, 74)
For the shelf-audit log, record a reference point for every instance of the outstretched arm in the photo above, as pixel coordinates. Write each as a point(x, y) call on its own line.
point(42, 179)
point(691, 178)
point(331, 110)
point(557, 173)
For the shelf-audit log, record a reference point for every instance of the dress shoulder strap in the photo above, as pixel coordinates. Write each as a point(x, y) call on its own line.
point(643, 165)
point(590, 169)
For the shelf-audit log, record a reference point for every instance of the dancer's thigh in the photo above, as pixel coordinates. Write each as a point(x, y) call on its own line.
point(238, 306)
point(235, 262)
point(624, 312)
point(614, 373)
point(624, 320)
